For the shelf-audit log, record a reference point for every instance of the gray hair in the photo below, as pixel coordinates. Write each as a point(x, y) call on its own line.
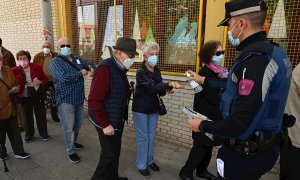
point(149, 46)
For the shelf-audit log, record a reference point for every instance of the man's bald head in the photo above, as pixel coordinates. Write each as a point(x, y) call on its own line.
point(62, 41)
point(46, 44)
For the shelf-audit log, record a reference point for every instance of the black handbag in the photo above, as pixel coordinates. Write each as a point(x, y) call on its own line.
point(161, 107)
point(49, 101)
point(13, 96)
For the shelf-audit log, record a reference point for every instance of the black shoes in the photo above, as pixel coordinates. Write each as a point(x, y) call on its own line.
point(28, 139)
point(207, 175)
point(78, 146)
point(46, 138)
point(23, 155)
point(74, 158)
point(154, 167)
point(185, 177)
point(145, 172)
point(3, 156)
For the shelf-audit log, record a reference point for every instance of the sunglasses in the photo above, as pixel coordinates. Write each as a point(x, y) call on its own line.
point(65, 45)
point(218, 53)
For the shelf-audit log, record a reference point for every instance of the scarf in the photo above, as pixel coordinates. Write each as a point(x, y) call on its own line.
point(219, 70)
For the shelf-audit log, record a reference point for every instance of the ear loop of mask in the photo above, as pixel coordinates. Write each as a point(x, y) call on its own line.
point(234, 27)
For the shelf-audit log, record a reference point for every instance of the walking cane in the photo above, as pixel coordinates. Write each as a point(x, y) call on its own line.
point(3, 158)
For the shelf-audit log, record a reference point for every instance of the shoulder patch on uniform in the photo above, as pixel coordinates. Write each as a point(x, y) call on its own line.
point(245, 87)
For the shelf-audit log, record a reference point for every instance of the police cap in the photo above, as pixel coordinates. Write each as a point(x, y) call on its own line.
point(239, 7)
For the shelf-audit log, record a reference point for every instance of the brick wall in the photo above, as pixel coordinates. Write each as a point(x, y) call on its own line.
point(21, 25)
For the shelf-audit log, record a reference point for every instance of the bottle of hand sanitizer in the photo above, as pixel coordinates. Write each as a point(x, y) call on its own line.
point(197, 87)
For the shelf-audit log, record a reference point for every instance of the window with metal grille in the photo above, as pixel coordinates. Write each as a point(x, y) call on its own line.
point(173, 24)
point(282, 25)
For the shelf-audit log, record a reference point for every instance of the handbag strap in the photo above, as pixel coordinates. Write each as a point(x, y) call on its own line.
point(22, 75)
point(159, 99)
point(69, 62)
point(6, 85)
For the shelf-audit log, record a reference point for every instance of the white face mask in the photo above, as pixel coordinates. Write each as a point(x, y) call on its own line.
point(128, 63)
point(46, 50)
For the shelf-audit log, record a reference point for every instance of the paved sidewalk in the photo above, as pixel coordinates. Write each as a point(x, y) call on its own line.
point(49, 161)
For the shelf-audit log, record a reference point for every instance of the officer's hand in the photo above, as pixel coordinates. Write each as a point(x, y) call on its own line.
point(194, 76)
point(194, 123)
point(84, 72)
point(92, 70)
point(109, 130)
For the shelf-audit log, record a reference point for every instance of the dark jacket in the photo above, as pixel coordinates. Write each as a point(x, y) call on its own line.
point(207, 102)
point(246, 105)
point(148, 86)
point(107, 101)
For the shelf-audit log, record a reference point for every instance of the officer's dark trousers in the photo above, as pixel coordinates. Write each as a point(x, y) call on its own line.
point(239, 166)
point(289, 163)
point(10, 126)
point(108, 165)
point(199, 156)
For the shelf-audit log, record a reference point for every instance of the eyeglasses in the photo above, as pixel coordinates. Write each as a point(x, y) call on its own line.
point(129, 55)
point(218, 53)
point(65, 45)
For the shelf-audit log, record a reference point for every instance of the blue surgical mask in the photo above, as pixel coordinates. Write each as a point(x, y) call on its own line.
point(128, 63)
point(152, 60)
point(217, 59)
point(234, 42)
point(65, 51)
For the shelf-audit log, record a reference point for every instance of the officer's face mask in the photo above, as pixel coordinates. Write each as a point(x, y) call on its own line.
point(234, 41)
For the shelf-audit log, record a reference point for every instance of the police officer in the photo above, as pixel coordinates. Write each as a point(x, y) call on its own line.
point(256, 92)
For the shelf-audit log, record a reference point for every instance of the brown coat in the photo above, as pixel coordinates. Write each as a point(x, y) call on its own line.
point(7, 108)
point(8, 58)
point(39, 58)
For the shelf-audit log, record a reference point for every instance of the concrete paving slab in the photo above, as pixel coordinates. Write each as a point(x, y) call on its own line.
point(49, 160)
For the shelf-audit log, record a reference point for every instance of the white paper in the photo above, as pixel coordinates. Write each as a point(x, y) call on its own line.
point(78, 62)
point(220, 167)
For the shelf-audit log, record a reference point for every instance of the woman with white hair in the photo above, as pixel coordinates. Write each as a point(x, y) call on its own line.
point(149, 87)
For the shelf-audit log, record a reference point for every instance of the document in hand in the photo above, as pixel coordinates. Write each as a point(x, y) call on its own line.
point(190, 113)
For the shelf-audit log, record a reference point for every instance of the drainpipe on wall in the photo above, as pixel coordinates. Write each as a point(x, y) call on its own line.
point(47, 25)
